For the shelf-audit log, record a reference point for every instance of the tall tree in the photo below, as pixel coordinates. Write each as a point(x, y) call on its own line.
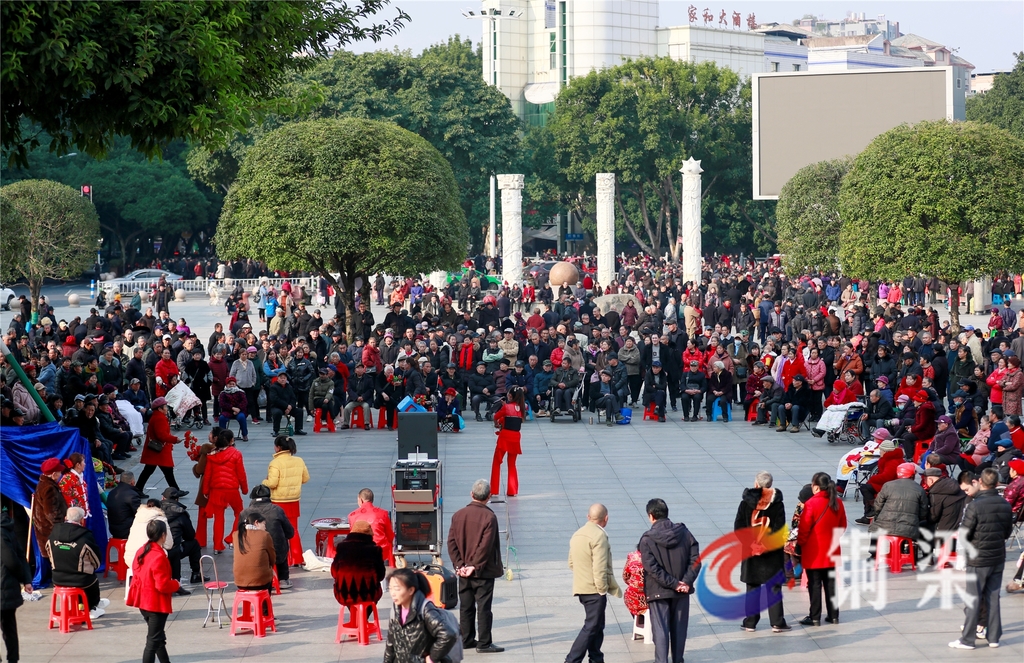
point(1003, 105)
point(807, 216)
point(53, 235)
point(86, 72)
point(344, 198)
point(938, 198)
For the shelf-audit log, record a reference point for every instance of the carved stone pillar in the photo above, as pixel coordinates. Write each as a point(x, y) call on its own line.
point(511, 227)
point(605, 228)
point(689, 222)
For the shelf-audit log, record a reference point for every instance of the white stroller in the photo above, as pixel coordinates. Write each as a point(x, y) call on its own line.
point(182, 401)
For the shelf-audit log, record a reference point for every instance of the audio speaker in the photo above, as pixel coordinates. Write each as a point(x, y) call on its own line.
point(417, 429)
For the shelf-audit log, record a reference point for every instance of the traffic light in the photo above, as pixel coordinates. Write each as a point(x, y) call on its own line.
point(87, 191)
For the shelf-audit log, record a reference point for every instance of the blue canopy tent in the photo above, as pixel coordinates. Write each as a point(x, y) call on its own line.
point(22, 452)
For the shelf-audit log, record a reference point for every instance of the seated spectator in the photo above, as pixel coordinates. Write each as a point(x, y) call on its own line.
point(946, 444)
point(901, 508)
point(278, 526)
point(380, 522)
point(876, 413)
point(965, 417)
point(656, 389)
point(772, 396)
point(75, 557)
point(720, 391)
point(360, 394)
point(1014, 493)
point(693, 384)
point(891, 458)
point(183, 534)
point(123, 501)
point(255, 557)
point(448, 410)
point(358, 567)
point(946, 499)
point(233, 405)
point(795, 406)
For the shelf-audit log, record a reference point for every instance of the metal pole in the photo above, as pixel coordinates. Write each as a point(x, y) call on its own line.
point(492, 249)
point(13, 362)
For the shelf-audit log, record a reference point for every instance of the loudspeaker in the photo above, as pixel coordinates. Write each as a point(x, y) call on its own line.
point(417, 429)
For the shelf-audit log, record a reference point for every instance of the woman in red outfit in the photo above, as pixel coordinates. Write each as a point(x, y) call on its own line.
point(840, 395)
point(222, 481)
point(151, 589)
point(164, 369)
point(158, 434)
point(509, 421)
point(823, 514)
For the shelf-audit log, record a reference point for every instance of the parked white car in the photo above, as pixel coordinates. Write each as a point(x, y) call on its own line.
point(6, 297)
point(140, 279)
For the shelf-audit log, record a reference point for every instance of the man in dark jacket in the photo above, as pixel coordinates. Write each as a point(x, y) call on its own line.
point(278, 527)
point(795, 406)
point(761, 514)
point(15, 575)
point(946, 502)
point(719, 390)
point(693, 385)
point(656, 388)
point(475, 551)
point(283, 401)
point(122, 503)
point(901, 508)
point(987, 524)
point(75, 556)
point(360, 394)
point(185, 544)
point(671, 560)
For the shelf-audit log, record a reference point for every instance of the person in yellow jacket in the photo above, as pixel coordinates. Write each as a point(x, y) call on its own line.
point(285, 477)
point(590, 558)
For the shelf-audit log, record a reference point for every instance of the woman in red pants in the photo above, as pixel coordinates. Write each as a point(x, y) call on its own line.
point(509, 421)
point(222, 481)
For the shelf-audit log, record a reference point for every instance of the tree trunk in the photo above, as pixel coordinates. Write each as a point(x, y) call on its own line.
point(954, 307)
point(34, 288)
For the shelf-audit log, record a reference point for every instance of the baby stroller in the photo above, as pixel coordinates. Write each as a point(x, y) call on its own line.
point(841, 423)
point(576, 410)
point(858, 466)
point(182, 401)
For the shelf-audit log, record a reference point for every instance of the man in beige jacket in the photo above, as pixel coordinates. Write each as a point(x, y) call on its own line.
point(590, 558)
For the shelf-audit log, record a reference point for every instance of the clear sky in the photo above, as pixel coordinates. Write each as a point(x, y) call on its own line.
point(985, 33)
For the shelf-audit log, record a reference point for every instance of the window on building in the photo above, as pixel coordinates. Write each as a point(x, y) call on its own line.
point(796, 67)
point(494, 55)
point(958, 83)
point(775, 66)
point(552, 50)
point(940, 56)
point(563, 39)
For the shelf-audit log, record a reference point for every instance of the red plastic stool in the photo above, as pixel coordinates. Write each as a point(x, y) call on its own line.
point(895, 555)
point(651, 411)
point(252, 617)
point(317, 421)
point(358, 625)
point(922, 447)
point(119, 565)
point(357, 418)
point(68, 607)
point(277, 583)
point(382, 418)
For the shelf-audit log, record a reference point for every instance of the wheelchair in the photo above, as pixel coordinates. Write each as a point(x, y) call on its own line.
point(576, 409)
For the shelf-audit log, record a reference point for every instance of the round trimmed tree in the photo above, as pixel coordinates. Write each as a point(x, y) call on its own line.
point(807, 216)
point(344, 199)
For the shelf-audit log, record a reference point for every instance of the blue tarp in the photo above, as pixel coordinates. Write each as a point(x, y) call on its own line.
point(22, 452)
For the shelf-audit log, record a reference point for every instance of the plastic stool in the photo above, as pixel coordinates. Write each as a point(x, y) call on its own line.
point(358, 625)
point(642, 627)
point(895, 555)
point(357, 418)
point(120, 567)
point(277, 583)
point(382, 418)
point(317, 421)
point(252, 617)
point(651, 412)
point(68, 607)
point(922, 447)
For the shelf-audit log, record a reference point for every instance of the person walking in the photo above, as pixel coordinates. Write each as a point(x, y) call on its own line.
point(987, 523)
point(151, 589)
point(223, 478)
point(590, 560)
point(15, 576)
point(158, 449)
point(417, 631)
point(475, 552)
point(509, 422)
point(823, 514)
point(285, 476)
point(761, 515)
point(671, 559)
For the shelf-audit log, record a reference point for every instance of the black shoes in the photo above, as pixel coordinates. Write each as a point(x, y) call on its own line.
point(782, 627)
point(863, 520)
point(300, 432)
point(490, 649)
point(831, 620)
point(181, 591)
point(807, 621)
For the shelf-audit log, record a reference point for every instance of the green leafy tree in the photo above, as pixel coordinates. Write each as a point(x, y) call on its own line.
point(937, 198)
point(344, 199)
point(641, 120)
point(1003, 105)
point(52, 235)
point(807, 216)
point(86, 72)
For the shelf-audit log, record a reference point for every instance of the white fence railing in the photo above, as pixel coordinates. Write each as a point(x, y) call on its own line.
point(225, 285)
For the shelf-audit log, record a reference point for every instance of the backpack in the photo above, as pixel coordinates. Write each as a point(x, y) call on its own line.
point(455, 655)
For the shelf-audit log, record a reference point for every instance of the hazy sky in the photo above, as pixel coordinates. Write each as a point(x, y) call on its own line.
point(986, 33)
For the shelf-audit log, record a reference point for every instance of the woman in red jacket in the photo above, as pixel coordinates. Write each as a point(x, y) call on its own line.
point(165, 368)
point(158, 434)
point(509, 421)
point(222, 481)
point(822, 515)
point(151, 589)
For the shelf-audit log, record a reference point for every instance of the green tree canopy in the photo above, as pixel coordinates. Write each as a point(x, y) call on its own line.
point(439, 95)
point(807, 216)
point(1003, 105)
point(641, 120)
point(53, 234)
point(154, 71)
point(348, 197)
point(936, 198)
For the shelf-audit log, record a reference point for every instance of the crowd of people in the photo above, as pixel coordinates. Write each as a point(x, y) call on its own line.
point(747, 342)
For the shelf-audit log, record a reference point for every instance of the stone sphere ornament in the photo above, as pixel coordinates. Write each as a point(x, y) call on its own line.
point(563, 272)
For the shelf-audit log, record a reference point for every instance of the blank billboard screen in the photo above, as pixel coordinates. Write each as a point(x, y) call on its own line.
point(801, 118)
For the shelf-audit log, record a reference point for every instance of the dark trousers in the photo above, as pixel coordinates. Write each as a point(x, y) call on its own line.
point(658, 398)
point(252, 395)
point(818, 580)
point(984, 590)
point(869, 494)
point(635, 383)
point(669, 621)
point(688, 401)
point(189, 549)
point(723, 403)
point(757, 597)
point(9, 627)
point(610, 403)
point(297, 415)
point(563, 399)
point(475, 596)
point(147, 471)
point(156, 638)
point(675, 390)
point(591, 636)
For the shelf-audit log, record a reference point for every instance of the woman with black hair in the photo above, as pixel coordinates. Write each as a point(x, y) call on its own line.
point(509, 421)
point(254, 553)
point(151, 589)
point(417, 631)
point(823, 514)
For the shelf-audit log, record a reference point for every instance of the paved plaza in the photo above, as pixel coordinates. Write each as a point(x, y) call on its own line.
point(700, 469)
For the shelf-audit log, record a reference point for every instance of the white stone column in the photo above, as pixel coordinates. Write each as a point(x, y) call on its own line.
point(689, 221)
point(605, 228)
point(511, 227)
